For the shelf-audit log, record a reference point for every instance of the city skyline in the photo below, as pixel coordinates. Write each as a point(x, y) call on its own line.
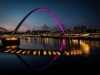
point(70, 13)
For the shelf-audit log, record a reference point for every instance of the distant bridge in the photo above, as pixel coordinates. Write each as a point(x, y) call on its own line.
point(3, 29)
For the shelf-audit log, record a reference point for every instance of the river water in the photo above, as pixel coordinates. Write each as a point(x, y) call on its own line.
point(81, 53)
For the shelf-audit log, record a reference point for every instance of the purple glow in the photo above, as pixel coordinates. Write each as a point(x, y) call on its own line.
point(63, 44)
point(48, 64)
point(58, 22)
point(61, 48)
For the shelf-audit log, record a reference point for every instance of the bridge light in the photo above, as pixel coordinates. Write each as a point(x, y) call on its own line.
point(8, 50)
point(14, 38)
point(23, 52)
point(7, 38)
point(28, 52)
point(39, 52)
point(13, 51)
point(44, 52)
point(11, 46)
point(19, 51)
point(14, 46)
point(67, 53)
point(34, 52)
point(79, 52)
point(49, 52)
point(74, 52)
point(71, 53)
point(7, 47)
point(54, 53)
point(58, 53)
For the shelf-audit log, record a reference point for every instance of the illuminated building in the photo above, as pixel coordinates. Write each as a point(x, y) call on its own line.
point(80, 29)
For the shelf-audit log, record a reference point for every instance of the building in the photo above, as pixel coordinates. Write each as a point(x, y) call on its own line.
point(80, 29)
point(69, 31)
point(90, 30)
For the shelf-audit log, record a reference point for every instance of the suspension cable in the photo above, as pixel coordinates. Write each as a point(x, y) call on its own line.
point(36, 20)
point(31, 22)
point(26, 25)
point(40, 19)
point(46, 19)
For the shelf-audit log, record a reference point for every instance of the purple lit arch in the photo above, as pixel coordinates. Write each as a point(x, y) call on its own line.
point(58, 22)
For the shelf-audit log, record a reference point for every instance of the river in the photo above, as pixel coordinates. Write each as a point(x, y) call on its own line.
point(81, 53)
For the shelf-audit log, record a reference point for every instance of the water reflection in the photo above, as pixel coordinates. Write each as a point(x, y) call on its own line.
point(73, 47)
point(86, 46)
point(44, 42)
point(54, 44)
point(37, 40)
point(63, 44)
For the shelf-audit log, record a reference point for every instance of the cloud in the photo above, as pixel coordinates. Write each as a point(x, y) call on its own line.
point(56, 28)
point(45, 27)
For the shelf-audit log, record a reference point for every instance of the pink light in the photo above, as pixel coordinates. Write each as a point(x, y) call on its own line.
point(60, 28)
point(58, 22)
point(61, 48)
point(64, 42)
point(53, 17)
point(48, 64)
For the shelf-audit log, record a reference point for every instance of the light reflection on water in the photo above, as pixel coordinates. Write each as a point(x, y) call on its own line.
point(85, 46)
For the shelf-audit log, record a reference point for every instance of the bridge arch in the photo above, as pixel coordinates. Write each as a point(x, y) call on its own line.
point(4, 29)
point(58, 22)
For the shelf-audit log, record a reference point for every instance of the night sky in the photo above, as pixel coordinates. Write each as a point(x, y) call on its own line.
point(69, 12)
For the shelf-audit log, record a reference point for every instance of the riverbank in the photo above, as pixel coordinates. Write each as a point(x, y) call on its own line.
point(84, 38)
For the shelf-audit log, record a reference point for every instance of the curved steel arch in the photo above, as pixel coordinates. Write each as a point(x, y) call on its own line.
point(34, 11)
point(3, 28)
point(59, 24)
